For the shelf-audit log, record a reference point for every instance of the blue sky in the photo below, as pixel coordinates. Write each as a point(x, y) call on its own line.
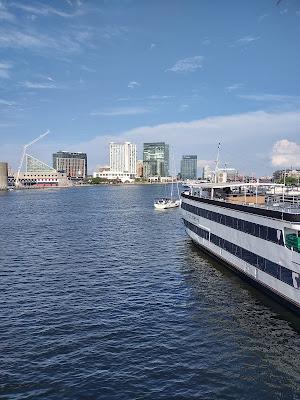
point(192, 73)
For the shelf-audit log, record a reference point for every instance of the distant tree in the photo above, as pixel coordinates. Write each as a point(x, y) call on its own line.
point(289, 181)
point(97, 181)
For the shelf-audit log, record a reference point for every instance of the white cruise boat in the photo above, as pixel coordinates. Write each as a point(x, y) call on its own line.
point(256, 235)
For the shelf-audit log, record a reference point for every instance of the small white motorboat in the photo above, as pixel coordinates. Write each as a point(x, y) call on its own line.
point(165, 203)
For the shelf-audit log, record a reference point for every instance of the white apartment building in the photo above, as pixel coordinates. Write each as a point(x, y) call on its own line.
point(122, 158)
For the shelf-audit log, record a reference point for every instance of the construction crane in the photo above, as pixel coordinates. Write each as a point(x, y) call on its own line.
point(24, 152)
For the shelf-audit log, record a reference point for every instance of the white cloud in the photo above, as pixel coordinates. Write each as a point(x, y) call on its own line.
point(7, 103)
point(203, 163)
point(158, 97)
point(87, 69)
point(183, 107)
point(44, 10)
point(247, 39)
point(269, 97)
point(262, 17)
point(286, 154)
point(244, 137)
point(152, 45)
point(206, 42)
point(133, 84)
point(4, 70)
point(5, 15)
point(190, 64)
point(121, 111)
point(39, 85)
point(233, 87)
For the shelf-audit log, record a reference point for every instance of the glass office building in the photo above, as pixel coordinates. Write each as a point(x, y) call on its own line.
point(73, 164)
point(156, 159)
point(188, 168)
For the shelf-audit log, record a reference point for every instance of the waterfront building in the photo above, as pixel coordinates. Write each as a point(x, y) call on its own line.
point(73, 164)
point(109, 175)
point(156, 159)
point(288, 173)
point(3, 175)
point(41, 179)
point(122, 158)
point(188, 167)
point(139, 168)
point(230, 173)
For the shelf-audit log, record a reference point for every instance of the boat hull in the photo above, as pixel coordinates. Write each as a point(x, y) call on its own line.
point(258, 285)
point(254, 246)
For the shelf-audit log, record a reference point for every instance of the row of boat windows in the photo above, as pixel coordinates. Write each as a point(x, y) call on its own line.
point(261, 231)
point(269, 267)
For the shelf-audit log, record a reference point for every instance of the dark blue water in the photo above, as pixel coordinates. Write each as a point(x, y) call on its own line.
point(102, 297)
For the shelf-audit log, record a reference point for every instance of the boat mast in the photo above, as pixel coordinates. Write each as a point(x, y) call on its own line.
point(217, 163)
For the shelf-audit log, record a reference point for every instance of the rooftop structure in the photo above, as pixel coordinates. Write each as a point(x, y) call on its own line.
point(35, 165)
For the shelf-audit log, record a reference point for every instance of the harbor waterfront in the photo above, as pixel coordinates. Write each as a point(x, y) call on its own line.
point(104, 297)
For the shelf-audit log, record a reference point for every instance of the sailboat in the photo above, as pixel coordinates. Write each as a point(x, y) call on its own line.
point(164, 203)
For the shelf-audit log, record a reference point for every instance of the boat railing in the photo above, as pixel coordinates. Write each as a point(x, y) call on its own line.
point(289, 205)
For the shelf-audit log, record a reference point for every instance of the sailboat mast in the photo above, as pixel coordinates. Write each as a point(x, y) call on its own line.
point(217, 163)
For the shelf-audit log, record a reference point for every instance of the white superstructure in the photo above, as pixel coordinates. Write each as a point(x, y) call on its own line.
point(122, 158)
point(254, 234)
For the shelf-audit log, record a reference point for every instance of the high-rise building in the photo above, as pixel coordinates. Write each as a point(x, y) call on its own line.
point(156, 159)
point(188, 167)
point(73, 164)
point(122, 158)
point(139, 168)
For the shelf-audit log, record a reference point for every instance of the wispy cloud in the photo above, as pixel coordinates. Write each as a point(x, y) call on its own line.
point(87, 69)
point(45, 10)
point(269, 97)
point(262, 17)
point(183, 107)
point(247, 39)
point(206, 42)
point(234, 87)
point(133, 84)
point(121, 111)
point(5, 15)
point(285, 154)
point(158, 97)
point(7, 103)
point(39, 85)
point(4, 70)
point(152, 46)
point(190, 64)
point(67, 41)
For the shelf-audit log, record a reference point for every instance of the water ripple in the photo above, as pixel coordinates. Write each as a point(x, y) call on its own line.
point(102, 297)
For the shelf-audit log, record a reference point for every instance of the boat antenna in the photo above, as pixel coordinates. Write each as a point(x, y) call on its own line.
point(217, 163)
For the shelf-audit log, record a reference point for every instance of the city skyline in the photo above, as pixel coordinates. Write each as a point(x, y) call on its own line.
point(95, 72)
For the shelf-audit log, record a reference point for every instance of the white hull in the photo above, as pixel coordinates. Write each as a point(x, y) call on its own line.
point(167, 205)
point(252, 256)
